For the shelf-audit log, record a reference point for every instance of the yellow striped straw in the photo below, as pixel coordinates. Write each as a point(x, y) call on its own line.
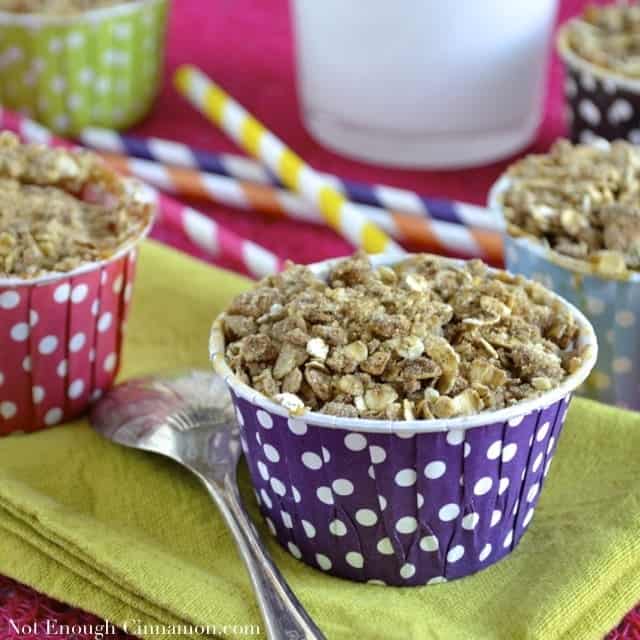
point(341, 214)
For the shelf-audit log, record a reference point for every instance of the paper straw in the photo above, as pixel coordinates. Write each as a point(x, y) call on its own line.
point(340, 214)
point(215, 239)
point(207, 234)
point(393, 199)
point(423, 234)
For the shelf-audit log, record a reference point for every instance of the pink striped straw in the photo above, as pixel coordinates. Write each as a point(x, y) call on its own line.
point(207, 234)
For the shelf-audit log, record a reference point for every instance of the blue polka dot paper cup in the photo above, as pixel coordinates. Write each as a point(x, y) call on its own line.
point(599, 102)
point(60, 340)
point(612, 306)
point(101, 67)
point(399, 503)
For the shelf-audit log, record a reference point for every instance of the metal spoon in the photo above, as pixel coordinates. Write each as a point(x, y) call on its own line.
point(189, 417)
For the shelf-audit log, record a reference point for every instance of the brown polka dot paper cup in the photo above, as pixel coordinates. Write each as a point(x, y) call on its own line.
point(401, 503)
point(599, 102)
point(60, 340)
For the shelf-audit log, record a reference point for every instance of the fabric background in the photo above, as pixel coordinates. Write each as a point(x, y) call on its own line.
point(246, 46)
point(132, 536)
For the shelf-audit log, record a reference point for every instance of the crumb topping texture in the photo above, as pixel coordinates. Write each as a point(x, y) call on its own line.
point(580, 201)
point(60, 209)
point(609, 37)
point(422, 339)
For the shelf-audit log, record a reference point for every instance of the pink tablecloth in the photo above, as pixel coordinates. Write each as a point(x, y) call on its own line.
point(246, 46)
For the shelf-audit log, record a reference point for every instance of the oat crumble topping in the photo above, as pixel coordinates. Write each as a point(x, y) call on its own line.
point(609, 37)
point(46, 220)
point(57, 7)
point(581, 201)
point(422, 339)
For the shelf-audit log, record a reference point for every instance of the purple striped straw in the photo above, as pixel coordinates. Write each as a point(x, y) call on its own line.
point(241, 168)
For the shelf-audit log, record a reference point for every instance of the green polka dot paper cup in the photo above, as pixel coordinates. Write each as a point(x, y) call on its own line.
point(612, 306)
point(101, 67)
point(401, 503)
point(60, 340)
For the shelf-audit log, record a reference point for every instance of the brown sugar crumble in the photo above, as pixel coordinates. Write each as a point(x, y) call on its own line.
point(47, 223)
point(57, 7)
point(422, 339)
point(609, 37)
point(581, 201)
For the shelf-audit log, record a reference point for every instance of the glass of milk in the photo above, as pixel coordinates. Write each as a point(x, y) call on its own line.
point(422, 83)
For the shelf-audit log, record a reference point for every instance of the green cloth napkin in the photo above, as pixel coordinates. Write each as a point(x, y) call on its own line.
point(133, 537)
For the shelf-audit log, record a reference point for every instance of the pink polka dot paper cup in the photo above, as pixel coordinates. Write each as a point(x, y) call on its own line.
point(60, 340)
point(399, 503)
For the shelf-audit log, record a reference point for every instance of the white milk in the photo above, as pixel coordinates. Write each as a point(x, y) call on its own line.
point(422, 83)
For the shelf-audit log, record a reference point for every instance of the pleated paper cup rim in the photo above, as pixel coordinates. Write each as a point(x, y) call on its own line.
point(587, 340)
point(572, 59)
point(53, 276)
point(552, 257)
point(36, 20)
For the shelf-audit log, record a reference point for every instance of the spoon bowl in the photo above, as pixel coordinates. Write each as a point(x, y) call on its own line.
point(189, 418)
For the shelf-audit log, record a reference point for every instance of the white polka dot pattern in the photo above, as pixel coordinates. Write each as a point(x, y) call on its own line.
point(299, 427)
point(8, 409)
point(406, 524)
point(309, 529)
point(378, 454)
point(355, 442)
point(385, 547)
point(9, 300)
point(278, 487)
point(455, 553)
point(366, 517)
point(406, 478)
point(51, 77)
point(402, 511)
point(602, 109)
point(485, 553)
point(48, 334)
point(311, 460)
point(338, 528)
point(355, 559)
point(620, 109)
point(429, 544)
point(589, 112)
point(435, 469)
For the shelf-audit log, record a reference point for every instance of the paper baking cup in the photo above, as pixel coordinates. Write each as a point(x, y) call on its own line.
point(60, 340)
point(399, 503)
point(101, 67)
point(599, 103)
point(612, 306)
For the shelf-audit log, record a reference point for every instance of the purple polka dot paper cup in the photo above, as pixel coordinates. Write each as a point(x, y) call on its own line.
point(401, 503)
point(599, 102)
point(612, 306)
point(60, 339)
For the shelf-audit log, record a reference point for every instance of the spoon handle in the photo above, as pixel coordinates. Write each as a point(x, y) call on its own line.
point(284, 616)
